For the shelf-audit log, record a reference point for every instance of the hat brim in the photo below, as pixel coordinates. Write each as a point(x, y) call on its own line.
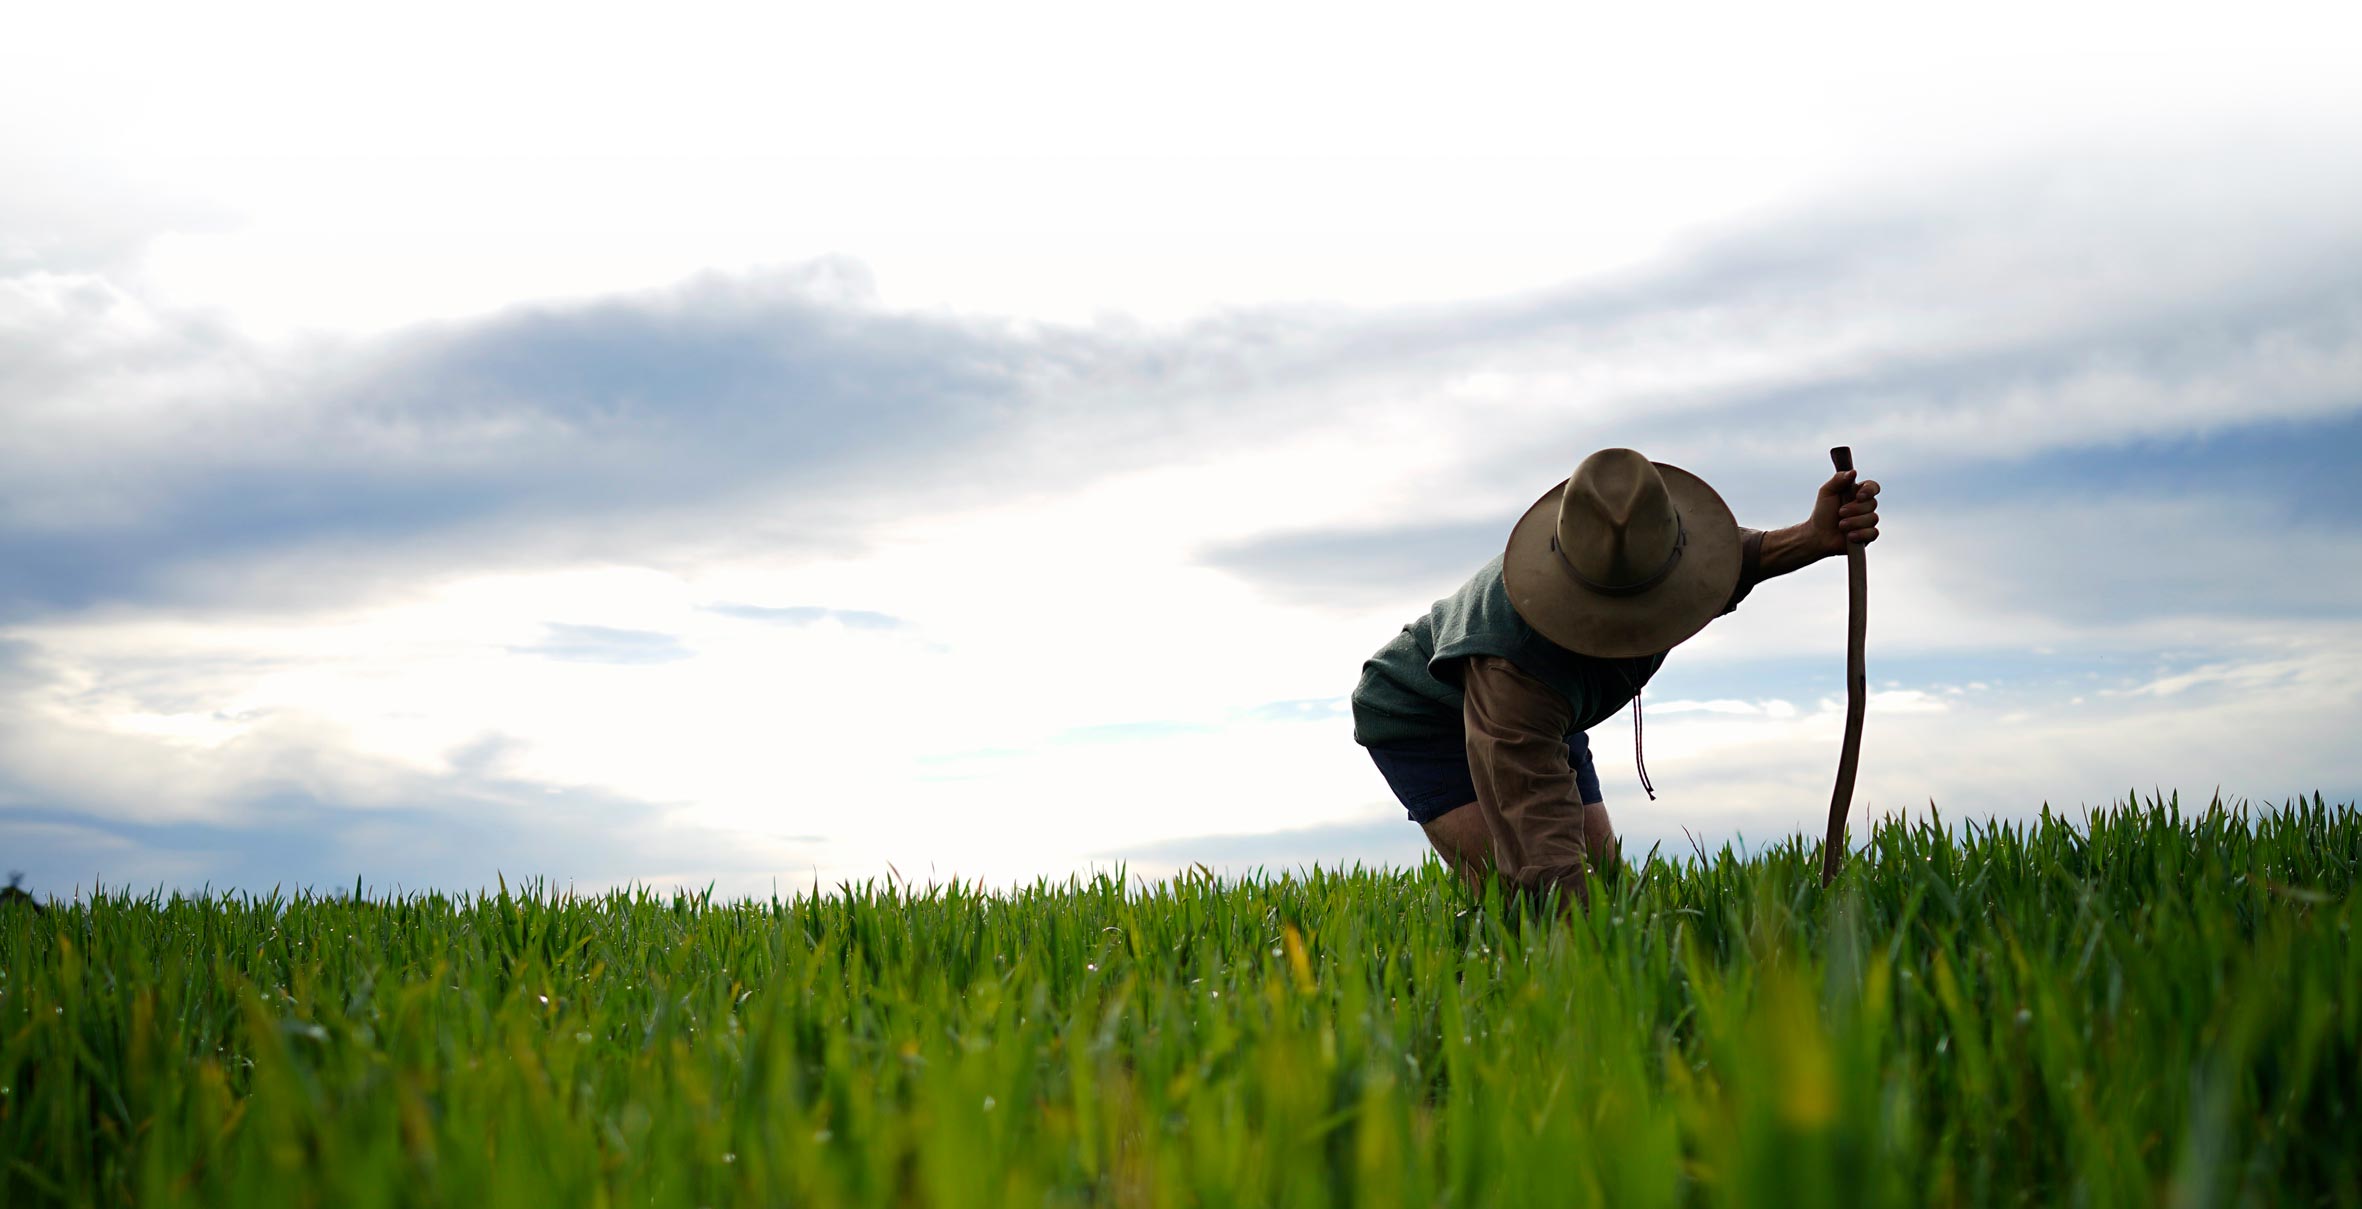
point(1562, 610)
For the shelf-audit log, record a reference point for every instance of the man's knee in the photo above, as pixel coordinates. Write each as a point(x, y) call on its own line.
point(1599, 837)
point(1459, 836)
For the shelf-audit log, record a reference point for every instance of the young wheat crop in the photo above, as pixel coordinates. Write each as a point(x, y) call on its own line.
point(2144, 1005)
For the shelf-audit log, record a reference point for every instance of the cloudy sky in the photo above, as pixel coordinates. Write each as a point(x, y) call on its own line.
point(763, 447)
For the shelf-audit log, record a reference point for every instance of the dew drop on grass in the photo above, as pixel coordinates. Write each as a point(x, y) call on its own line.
point(990, 1103)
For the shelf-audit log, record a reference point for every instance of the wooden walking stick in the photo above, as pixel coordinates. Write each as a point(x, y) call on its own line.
point(1857, 682)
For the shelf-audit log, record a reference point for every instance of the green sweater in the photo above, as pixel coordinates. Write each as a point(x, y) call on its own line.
point(1410, 689)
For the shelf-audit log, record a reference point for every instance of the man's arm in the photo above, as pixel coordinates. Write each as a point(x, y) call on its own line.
point(1832, 527)
point(1525, 788)
point(1750, 566)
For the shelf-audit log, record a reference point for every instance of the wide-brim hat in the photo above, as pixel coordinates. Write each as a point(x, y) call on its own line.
point(1626, 557)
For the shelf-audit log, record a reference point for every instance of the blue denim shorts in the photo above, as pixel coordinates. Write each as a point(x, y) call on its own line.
point(1431, 778)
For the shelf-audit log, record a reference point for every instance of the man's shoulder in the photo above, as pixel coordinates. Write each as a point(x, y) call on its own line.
point(1482, 598)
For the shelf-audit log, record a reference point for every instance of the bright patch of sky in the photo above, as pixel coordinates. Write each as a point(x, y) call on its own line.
point(755, 445)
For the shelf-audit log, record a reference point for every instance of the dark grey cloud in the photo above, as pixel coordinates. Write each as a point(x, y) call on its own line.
point(2255, 527)
point(768, 411)
point(2248, 397)
point(629, 420)
point(301, 812)
point(286, 804)
point(454, 832)
point(2108, 391)
point(2262, 523)
point(1353, 567)
point(803, 615)
point(150, 456)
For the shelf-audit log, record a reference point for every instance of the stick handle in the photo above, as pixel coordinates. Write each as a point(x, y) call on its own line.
point(1857, 685)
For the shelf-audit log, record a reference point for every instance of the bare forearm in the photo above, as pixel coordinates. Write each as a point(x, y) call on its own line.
point(1793, 549)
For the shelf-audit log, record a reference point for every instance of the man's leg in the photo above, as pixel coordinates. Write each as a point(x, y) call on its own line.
point(1599, 838)
point(1459, 835)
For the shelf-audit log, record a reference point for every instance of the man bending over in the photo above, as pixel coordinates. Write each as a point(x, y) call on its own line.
point(1476, 712)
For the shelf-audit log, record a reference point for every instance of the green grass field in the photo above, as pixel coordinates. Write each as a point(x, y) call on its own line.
point(2151, 1005)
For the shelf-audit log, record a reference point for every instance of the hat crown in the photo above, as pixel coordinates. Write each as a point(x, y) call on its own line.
point(1625, 557)
point(1617, 526)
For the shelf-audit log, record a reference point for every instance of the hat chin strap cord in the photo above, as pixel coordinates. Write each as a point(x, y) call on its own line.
point(1639, 764)
point(1680, 542)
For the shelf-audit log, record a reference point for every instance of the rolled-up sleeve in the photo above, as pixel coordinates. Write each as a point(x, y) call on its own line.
point(1750, 566)
point(1525, 787)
